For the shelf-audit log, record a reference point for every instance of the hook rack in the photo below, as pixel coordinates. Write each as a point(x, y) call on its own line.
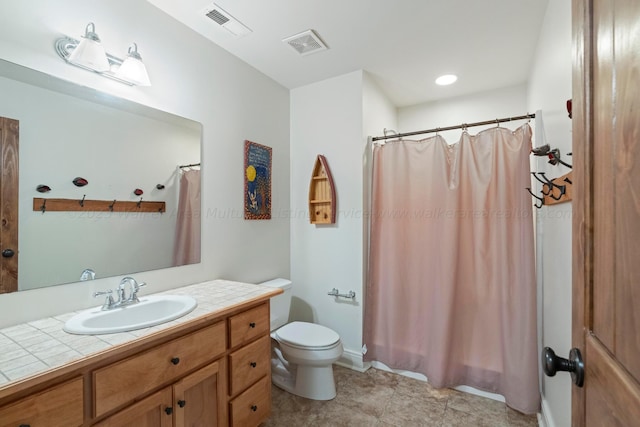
point(557, 190)
point(70, 205)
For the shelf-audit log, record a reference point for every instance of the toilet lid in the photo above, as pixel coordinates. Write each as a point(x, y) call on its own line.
point(305, 334)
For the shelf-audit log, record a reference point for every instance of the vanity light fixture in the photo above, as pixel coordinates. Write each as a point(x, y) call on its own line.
point(90, 55)
point(133, 69)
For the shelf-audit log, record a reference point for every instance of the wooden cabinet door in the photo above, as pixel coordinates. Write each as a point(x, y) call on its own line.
point(606, 222)
point(9, 131)
point(58, 406)
point(199, 398)
point(153, 411)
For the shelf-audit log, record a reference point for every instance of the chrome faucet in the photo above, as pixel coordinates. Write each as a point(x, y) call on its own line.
point(133, 292)
point(123, 300)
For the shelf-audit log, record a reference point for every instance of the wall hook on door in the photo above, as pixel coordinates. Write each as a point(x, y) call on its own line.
point(43, 208)
point(111, 205)
point(540, 199)
point(545, 183)
point(82, 201)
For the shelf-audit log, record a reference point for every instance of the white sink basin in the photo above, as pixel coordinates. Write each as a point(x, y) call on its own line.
point(151, 310)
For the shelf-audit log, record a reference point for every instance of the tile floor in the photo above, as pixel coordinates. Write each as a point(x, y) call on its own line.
point(383, 399)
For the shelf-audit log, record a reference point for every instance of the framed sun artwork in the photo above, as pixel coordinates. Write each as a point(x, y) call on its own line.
point(257, 181)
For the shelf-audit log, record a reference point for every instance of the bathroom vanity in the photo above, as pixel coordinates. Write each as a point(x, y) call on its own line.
point(211, 367)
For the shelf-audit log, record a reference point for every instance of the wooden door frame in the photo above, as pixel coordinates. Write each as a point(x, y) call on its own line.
point(582, 224)
point(9, 143)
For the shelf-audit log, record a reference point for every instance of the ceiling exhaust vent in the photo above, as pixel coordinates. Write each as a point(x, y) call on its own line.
point(226, 21)
point(306, 43)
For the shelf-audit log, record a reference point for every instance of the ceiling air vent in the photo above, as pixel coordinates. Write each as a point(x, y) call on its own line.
point(226, 21)
point(306, 43)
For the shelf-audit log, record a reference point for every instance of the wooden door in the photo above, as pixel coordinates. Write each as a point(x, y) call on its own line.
point(199, 399)
point(9, 132)
point(606, 222)
point(152, 411)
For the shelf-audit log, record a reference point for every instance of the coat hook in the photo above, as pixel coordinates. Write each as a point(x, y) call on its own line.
point(160, 187)
point(568, 180)
point(111, 205)
point(545, 183)
point(536, 197)
point(44, 205)
point(562, 189)
point(139, 202)
point(82, 201)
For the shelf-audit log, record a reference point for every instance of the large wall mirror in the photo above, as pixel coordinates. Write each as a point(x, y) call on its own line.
point(68, 131)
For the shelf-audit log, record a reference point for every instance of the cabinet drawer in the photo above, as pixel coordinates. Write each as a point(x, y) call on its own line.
point(58, 406)
point(253, 406)
point(249, 364)
point(125, 381)
point(249, 325)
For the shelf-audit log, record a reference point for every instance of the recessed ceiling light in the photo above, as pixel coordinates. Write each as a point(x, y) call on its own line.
point(447, 79)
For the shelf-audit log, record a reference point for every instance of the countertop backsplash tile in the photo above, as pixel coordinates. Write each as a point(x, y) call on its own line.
point(35, 347)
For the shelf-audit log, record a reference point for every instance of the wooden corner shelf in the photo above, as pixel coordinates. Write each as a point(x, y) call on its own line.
point(322, 194)
point(74, 205)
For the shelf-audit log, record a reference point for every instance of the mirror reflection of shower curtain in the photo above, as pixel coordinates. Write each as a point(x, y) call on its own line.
point(187, 243)
point(451, 289)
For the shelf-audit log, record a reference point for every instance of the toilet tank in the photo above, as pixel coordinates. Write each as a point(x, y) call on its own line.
point(280, 304)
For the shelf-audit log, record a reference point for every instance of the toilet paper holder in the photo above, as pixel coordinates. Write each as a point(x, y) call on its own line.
point(336, 293)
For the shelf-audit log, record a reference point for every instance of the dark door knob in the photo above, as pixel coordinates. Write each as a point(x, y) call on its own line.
point(8, 253)
point(575, 365)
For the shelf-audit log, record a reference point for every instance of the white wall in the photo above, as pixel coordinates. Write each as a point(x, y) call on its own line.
point(549, 89)
point(193, 78)
point(332, 117)
point(326, 118)
point(494, 104)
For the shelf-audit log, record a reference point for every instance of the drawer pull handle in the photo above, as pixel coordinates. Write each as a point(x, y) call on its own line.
point(254, 408)
point(168, 410)
point(175, 360)
point(252, 324)
point(181, 403)
point(25, 425)
point(253, 364)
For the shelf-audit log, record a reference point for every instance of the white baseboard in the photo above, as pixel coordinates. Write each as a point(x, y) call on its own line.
point(544, 417)
point(353, 360)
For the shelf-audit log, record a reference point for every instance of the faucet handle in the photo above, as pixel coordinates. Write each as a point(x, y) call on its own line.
point(108, 302)
point(134, 291)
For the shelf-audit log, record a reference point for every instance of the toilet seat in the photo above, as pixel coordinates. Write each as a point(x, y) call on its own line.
point(309, 336)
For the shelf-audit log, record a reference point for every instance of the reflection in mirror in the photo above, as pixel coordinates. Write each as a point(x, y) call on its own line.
point(67, 131)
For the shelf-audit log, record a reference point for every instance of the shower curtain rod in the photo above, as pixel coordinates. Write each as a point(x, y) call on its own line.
point(462, 126)
point(189, 166)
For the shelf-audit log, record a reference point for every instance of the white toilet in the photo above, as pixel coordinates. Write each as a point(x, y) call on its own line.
point(301, 353)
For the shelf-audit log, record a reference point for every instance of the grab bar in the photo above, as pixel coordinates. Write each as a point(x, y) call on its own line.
point(336, 293)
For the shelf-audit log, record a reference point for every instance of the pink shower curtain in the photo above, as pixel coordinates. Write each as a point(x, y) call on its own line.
point(187, 246)
point(451, 284)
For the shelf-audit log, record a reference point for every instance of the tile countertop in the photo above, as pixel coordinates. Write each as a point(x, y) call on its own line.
point(35, 347)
